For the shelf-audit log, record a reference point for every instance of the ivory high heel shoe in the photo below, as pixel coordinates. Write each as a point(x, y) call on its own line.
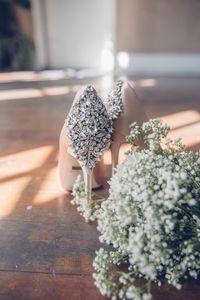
point(87, 132)
point(69, 168)
point(124, 108)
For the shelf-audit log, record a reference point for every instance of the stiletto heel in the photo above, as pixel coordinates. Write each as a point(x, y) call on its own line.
point(114, 155)
point(87, 175)
point(69, 168)
point(115, 148)
point(88, 131)
point(124, 108)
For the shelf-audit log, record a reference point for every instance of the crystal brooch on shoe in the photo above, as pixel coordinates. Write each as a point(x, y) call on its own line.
point(114, 103)
point(89, 128)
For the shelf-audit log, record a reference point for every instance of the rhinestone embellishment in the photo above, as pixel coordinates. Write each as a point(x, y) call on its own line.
point(89, 128)
point(114, 103)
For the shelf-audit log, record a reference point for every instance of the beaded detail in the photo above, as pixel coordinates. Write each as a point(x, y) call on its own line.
point(89, 128)
point(114, 103)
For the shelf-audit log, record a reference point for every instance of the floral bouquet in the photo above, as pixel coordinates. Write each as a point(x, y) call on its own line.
point(151, 217)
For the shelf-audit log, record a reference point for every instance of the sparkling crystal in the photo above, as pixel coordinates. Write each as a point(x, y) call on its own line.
point(90, 89)
point(87, 113)
point(81, 116)
point(92, 127)
point(87, 103)
point(82, 98)
point(71, 126)
point(82, 135)
point(82, 109)
point(90, 134)
point(114, 101)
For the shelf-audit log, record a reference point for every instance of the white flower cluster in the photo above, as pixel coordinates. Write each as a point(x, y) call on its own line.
point(86, 209)
point(108, 277)
point(152, 217)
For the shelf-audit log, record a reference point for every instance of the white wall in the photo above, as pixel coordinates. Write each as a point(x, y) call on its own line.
point(74, 33)
point(155, 36)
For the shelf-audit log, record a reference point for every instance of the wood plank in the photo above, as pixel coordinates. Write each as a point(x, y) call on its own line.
point(46, 248)
point(31, 286)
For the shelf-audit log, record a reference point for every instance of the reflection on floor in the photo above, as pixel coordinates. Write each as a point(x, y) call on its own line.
point(46, 249)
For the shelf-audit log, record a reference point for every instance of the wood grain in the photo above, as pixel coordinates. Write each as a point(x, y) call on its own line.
point(46, 248)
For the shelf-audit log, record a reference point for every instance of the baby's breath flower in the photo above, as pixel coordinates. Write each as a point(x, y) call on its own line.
point(151, 217)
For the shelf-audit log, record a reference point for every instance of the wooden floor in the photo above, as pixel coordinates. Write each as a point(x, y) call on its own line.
point(46, 249)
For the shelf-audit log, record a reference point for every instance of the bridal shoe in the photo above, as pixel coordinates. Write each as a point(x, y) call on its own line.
point(85, 136)
point(124, 108)
point(69, 168)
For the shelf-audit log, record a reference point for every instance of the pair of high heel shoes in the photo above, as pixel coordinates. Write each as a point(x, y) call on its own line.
point(91, 127)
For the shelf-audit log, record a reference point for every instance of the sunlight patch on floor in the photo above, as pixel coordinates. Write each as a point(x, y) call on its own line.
point(147, 82)
point(23, 162)
point(185, 125)
point(28, 177)
point(20, 94)
point(15, 94)
point(182, 118)
point(49, 189)
point(11, 192)
point(189, 134)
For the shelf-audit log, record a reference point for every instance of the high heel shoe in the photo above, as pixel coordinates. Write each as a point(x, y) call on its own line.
point(124, 108)
point(88, 132)
point(69, 168)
